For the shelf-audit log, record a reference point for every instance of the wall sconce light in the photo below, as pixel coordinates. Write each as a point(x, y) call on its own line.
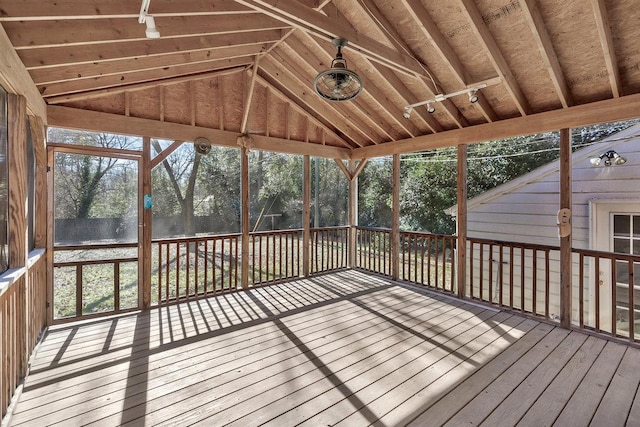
point(144, 18)
point(608, 158)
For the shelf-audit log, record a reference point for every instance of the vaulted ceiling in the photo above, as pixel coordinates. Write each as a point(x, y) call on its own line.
point(247, 67)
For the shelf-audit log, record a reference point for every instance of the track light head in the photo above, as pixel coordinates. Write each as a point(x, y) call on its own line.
point(407, 112)
point(473, 96)
point(431, 108)
point(151, 32)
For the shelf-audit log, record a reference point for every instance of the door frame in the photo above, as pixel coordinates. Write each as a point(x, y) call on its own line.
point(133, 155)
point(600, 230)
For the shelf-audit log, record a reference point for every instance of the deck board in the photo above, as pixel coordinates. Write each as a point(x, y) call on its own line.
point(345, 348)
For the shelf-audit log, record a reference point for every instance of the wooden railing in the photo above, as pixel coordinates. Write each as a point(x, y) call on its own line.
point(608, 298)
point(428, 259)
point(193, 267)
point(329, 249)
point(518, 276)
point(275, 256)
point(22, 320)
point(93, 280)
point(373, 250)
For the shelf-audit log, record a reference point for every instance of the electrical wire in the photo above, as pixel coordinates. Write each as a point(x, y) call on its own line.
point(436, 87)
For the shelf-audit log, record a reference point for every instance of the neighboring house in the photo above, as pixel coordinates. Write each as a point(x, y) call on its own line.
point(605, 217)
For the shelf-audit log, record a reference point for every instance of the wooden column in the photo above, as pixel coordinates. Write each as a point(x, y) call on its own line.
point(244, 188)
point(50, 233)
point(145, 225)
point(395, 224)
point(461, 222)
point(17, 155)
point(306, 215)
point(38, 137)
point(353, 212)
point(565, 242)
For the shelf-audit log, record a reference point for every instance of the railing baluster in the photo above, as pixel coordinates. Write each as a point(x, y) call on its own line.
point(116, 286)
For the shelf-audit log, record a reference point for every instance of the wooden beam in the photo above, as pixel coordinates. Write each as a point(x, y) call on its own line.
point(496, 57)
point(322, 26)
point(50, 233)
point(606, 40)
point(146, 222)
point(151, 76)
point(360, 166)
point(461, 222)
point(14, 78)
point(395, 222)
point(306, 215)
point(343, 168)
point(566, 241)
point(46, 57)
point(37, 10)
point(353, 216)
point(38, 136)
point(248, 96)
point(17, 191)
point(543, 40)
point(30, 34)
point(144, 63)
point(161, 157)
point(244, 214)
point(610, 110)
point(92, 94)
point(75, 118)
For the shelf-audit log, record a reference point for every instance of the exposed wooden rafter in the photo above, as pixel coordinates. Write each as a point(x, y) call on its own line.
point(496, 57)
point(606, 40)
point(543, 40)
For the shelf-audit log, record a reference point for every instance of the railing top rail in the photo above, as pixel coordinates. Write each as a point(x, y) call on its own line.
point(380, 229)
point(610, 255)
point(95, 262)
point(197, 238)
point(332, 227)
point(424, 233)
point(514, 244)
point(276, 232)
point(94, 246)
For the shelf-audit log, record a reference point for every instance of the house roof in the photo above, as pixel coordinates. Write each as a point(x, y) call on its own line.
point(247, 67)
point(578, 156)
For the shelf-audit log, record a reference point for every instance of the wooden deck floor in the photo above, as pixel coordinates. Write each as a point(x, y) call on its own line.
point(343, 349)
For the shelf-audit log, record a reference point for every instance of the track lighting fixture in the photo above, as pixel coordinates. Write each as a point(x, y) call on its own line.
point(144, 18)
point(471, 91)
point(608, 158)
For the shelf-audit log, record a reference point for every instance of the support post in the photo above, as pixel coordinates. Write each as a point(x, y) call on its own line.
point(461, 222)
point(17, 122)
point(565, 239)
point(244, 188)
point(353, 213)
point(395, 224)
point(306, 215)
point(145, 225)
